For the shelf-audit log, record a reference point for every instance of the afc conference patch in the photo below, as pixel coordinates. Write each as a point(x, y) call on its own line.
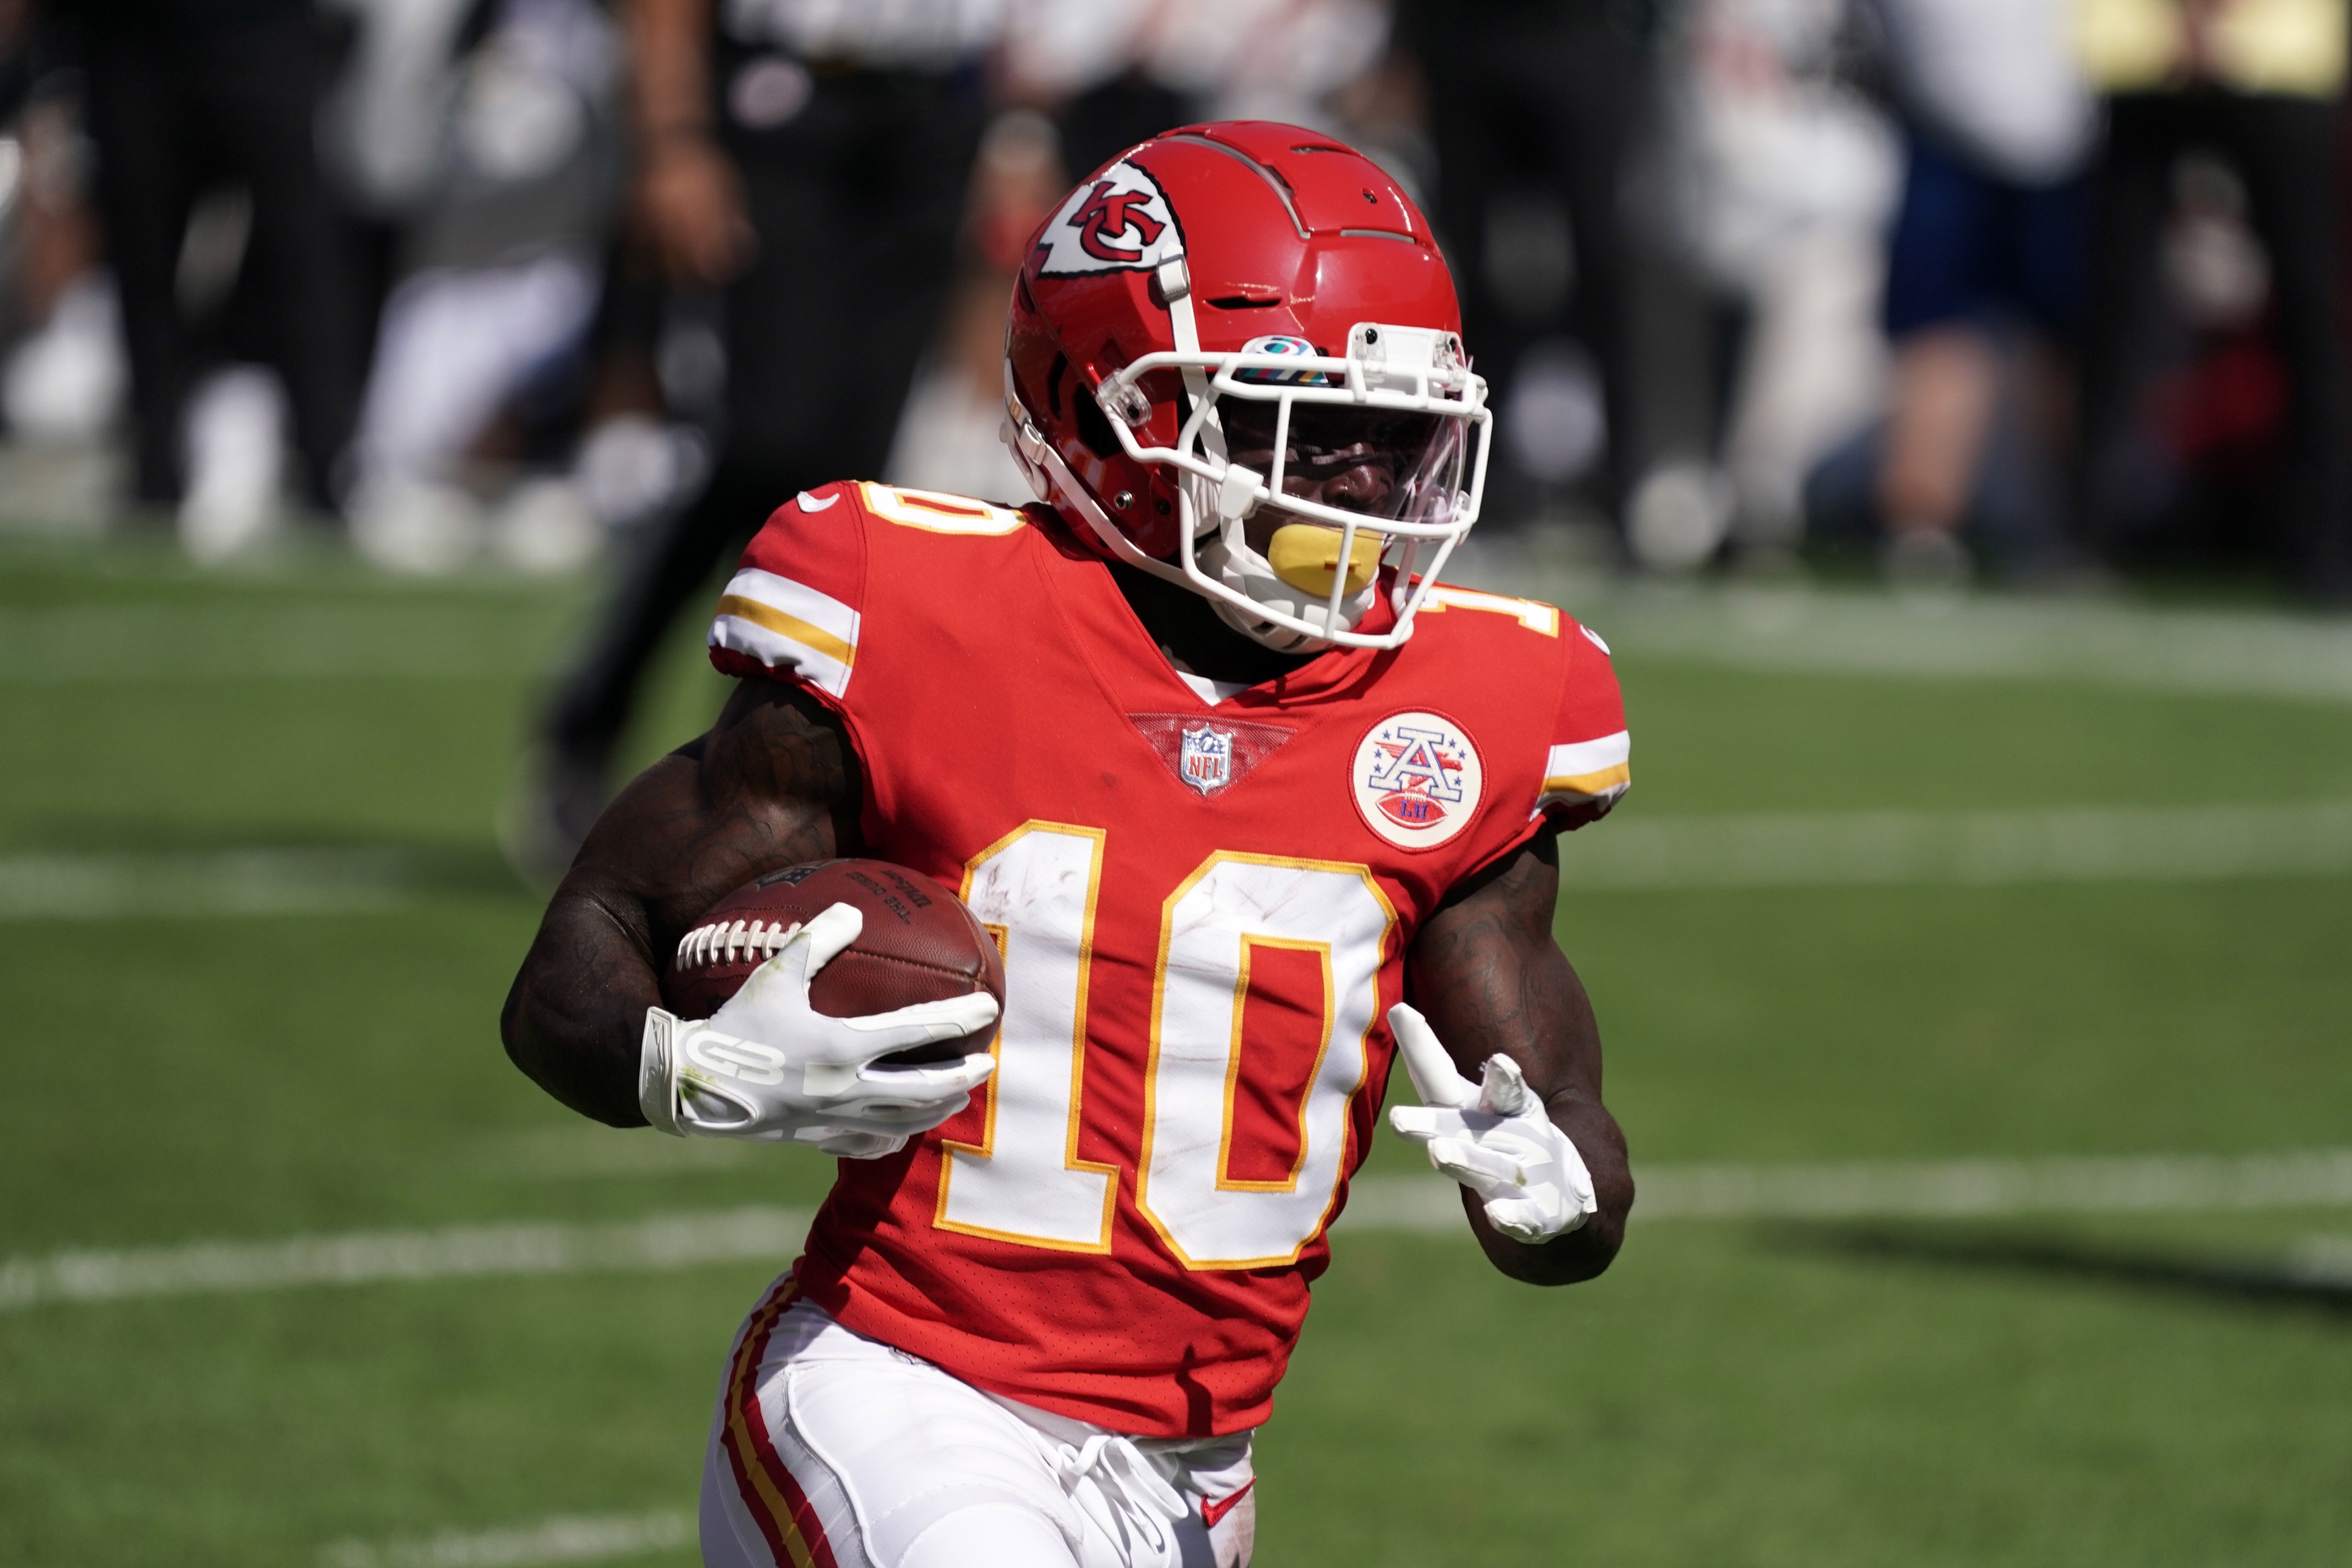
point(1417, 780)
point(1205, 759)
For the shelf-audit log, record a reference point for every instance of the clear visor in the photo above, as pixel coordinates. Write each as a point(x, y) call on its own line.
point(1382, 464)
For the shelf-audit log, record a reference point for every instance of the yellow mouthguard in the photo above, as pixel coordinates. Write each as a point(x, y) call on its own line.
point(1307, 555)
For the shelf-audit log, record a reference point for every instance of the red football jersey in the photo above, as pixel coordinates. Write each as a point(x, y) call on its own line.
point(1204, 909)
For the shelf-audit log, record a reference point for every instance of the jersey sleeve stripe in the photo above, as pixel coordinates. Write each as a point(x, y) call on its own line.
point(1588, 769)
point(788, 626)
point(816, 639)
point(1588, 786)
point(1590, 756)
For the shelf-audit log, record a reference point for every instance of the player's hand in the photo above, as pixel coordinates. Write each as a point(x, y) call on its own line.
point(770, 1068)
point(687, 203)
point(1492, 1136)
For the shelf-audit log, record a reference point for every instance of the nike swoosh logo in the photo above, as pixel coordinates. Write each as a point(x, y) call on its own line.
point(808, 502)
point(1215, 1509)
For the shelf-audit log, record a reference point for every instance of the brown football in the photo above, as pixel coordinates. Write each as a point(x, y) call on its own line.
point(919, 945)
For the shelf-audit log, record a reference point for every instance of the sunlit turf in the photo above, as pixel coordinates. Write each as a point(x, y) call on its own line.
point(1723, 1398)
point(1730, 1394)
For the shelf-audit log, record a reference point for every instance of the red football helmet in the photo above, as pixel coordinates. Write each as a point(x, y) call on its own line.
point(1235, 360)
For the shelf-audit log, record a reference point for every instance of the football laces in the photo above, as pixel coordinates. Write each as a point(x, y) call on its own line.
point(719, 941)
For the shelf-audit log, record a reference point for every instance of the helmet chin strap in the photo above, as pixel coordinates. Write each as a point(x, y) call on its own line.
point(1175, 281)
point(1051, 481)
point(1281, 639)
point(1229, 559)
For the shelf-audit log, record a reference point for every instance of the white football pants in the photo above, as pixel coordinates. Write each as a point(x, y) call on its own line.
point(832, 1450)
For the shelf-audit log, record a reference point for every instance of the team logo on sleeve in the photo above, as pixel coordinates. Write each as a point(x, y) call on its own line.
point(1417, 780)
point(1118, 222)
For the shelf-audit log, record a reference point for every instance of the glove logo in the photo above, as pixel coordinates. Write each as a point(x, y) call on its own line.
point(730, 1058)
point(1213, 1509)
point(1121, 223)
point(1417, 780)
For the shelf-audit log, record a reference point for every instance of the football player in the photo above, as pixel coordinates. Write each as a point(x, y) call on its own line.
point(1253, 803)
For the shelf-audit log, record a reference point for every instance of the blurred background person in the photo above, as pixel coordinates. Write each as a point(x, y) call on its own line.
point(799, 164)
point(2225, 119)
point(1077, 82)
point(946, 439)
point(1113, 72)
point(1985, 277)
point(482, 137)
point(18, 28)
point(62, 382)
point(1783, 170)
point(203, 114)
point(1536, 109)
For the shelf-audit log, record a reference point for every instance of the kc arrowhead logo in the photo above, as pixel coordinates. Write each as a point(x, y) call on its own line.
point(1118, 222)
point(1110, 216)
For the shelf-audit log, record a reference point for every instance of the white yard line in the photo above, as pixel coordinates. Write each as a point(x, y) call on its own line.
point(2322, 1260)
point(1946, 1189)
point(99, 887)
point(2177, 1184)
point(663, 1242)
point(2143, 1185)
point(1801, 630)
point(560, 1539)
point(2242, 653)
point(1793, 850)
point(152, 643)
point(1965, 849)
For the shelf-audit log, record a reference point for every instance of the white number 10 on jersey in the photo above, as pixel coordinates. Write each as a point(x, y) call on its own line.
point(1023, 1182)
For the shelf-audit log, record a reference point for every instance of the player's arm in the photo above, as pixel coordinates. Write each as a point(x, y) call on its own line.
point(1489, 980)
point(687, 199)
point(774, 784)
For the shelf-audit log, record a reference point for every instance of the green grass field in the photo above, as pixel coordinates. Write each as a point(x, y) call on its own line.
point(2138, 1389)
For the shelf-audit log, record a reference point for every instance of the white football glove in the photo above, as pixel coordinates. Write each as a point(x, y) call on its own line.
point(1491, 1136)
point(769, 1067)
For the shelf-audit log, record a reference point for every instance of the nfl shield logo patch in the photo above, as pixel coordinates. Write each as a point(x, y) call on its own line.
point(1205, 759)
point(1209, 756)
